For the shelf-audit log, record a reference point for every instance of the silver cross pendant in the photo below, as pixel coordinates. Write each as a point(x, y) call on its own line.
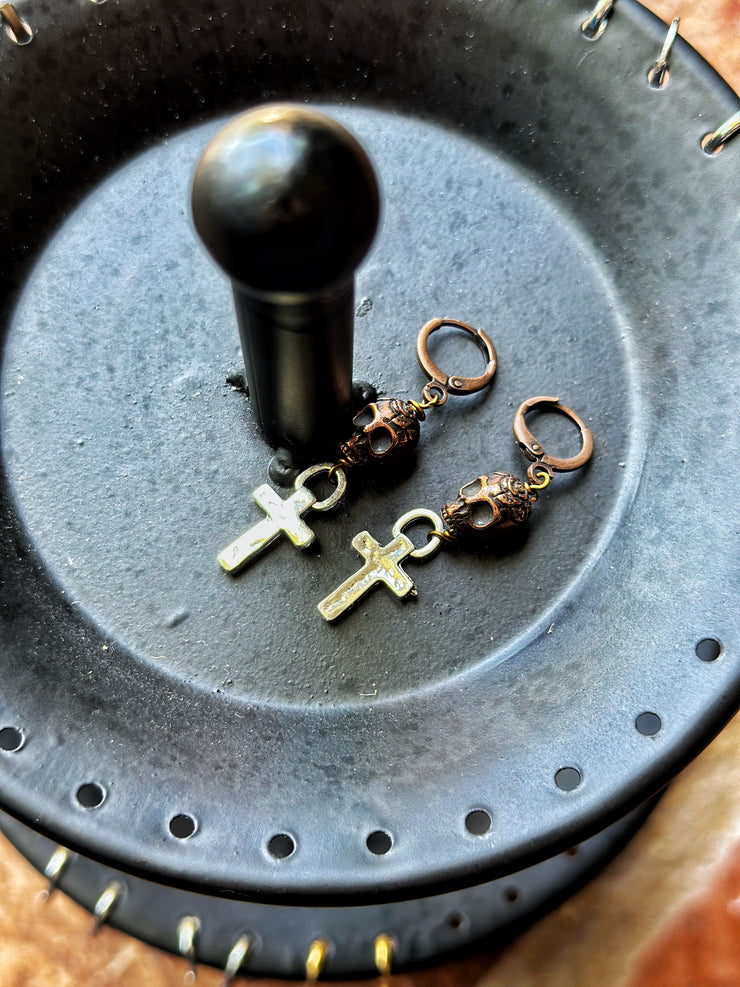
point(382, 565)
point(282, 517)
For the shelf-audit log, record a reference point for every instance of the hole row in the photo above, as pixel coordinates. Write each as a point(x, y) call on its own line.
point(182, 826)
point(569, 778)
point(478, 822)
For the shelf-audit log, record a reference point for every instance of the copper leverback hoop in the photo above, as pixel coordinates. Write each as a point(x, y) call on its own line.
point(535, 451)
point(455, 385)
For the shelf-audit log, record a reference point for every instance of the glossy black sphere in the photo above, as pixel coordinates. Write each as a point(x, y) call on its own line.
point(286, 199)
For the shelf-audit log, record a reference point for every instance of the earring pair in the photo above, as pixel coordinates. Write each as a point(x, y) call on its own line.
point(488, 505)
point(386, 431)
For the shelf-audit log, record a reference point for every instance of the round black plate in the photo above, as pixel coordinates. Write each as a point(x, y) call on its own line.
point(280, 935)
point(535, 185)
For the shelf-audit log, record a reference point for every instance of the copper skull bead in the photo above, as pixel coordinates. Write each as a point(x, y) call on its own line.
point(500, 501)
point(386, 429)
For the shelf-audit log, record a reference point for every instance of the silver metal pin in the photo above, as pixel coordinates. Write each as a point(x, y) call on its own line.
point(236, 959)
point(54, 870)
point(105, 904)
point(714, 142)
point(187, 933)
point(595, 24)
point(658, 74)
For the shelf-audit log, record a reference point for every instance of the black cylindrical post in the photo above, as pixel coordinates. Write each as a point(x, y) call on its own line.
point(287, 202)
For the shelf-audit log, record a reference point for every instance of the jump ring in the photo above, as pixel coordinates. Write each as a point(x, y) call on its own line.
point(331, 469)
point(540, 477)
point(434, 395)
point(435, 536)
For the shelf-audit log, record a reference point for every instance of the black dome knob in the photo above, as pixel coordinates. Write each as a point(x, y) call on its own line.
point(287, 202)
point(286, 199)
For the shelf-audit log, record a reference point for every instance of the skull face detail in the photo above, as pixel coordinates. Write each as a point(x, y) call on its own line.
point(386, 429)
point(499, 501)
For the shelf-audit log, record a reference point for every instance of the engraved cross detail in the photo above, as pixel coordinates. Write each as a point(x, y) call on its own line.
point(382, 565)
point(283, 517)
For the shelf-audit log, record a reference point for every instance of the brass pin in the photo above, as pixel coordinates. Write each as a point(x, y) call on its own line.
point(318, 954)
point(236, 959)
point(105, 904)
point(385, 948)
point(187, 932)
point(18, 30)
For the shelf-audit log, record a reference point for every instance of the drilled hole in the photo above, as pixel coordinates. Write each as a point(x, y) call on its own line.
point(706, 145)
point(481, 513)
point(455, 921)
point(478, 822)
point(568, 779)
point(648, 724)
point(90, 795)
point(281, 846)
point(511, 895)
point(381, 440)
point(708, 649)
point(379, 842)
point(658, 80)
point(363, 418)
point(182, 826)
point(596, 23)
point(572, 851)
point(11, 739)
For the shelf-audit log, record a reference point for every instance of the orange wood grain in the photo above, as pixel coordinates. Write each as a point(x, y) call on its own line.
point(701, 944)
point(629, 925)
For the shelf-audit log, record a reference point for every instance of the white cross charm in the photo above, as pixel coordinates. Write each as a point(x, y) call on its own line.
point(382, 565)
point(284, 517)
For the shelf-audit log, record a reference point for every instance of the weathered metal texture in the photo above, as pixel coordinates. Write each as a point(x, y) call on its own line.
point(536, 186)
point(422, 930)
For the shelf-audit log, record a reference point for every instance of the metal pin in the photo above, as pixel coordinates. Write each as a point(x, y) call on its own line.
point(714, 142)
point(19, 31)
point(595, 24)
point(658, 75)
point(236, 959)
point(105, 903)
point(385, 947)
point(54, 870)
point(187, 931)
point(318, 954)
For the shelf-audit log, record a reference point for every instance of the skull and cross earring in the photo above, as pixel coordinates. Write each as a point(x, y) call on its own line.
point(485, 506)
point(385, 431)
